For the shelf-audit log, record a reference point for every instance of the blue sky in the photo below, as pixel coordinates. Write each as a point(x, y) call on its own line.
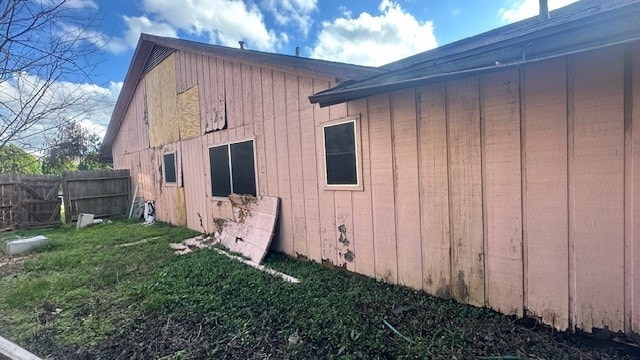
point(367, 32)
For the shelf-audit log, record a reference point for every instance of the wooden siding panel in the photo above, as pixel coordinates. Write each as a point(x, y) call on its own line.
point(189, 114)
point(296, 173)
point(545, 192)
point(310, 173)
point(328, 227)
point(247, 97)
point(362, 237)
point(133, 134)
point(596, 183)
point(180, 207)
point(343, 229)
point(285, 221)
point(259, 133)
point(179, 63)
point(407, 189)
point(213, 106)
point(465, 191)
point(150, 172)
point(500, 121)
point(235, 131)
point(634, 195)
point(193, 70)
point(270, 180)
point(205, 97)
point(193, 171)
point(434, 189)
point(382, 191)
point(229, 98)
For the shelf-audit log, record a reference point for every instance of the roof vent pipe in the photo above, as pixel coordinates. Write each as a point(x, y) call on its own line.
point(241, 44)
point(297, 50)
point(544, 10)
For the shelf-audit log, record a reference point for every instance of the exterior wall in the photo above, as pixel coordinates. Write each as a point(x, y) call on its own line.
point(515, 190)
point(523, 193)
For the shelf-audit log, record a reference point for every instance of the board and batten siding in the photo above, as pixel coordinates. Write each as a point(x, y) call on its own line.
point(517, 190)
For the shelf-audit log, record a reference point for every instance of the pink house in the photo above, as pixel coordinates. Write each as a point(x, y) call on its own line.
point(500, 170)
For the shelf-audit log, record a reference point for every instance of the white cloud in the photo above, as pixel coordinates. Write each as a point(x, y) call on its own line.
point(129, 40)
point(522, 9)
point(288, 11)
point(73, 4)
point(374, 40)
point(142, 24)
point(80, 4)
point(224, 22)
point(62, 101)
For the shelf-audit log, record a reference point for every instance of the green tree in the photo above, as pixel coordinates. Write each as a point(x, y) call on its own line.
point(73, 148)
point(14, 159)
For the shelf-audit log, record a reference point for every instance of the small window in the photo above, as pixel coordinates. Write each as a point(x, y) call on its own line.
point(170, 168)
point(232, 169)
point(340, 154)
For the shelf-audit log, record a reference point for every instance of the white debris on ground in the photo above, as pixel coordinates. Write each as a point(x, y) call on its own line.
point(208, 242)
point(143, 241)
point(188, 245)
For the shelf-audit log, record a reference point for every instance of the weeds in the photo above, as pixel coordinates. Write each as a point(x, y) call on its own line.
point(143, 302)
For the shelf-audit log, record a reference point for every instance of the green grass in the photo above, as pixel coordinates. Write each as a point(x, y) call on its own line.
point(83, 273)
point(144, 302)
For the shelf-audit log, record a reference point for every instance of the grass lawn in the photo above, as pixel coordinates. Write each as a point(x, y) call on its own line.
point(83, 297)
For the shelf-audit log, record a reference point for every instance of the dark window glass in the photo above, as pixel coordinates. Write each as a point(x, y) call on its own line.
point(340, 152)
point(243, 168)
point(219, 165)
point(170, 168)
point(238, 177)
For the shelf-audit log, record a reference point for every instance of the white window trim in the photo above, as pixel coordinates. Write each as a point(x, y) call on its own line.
point(255, 166)
point(356, 132)
point(175, 167)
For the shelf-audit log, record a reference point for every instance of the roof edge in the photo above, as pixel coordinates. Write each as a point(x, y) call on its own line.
point(336, 96)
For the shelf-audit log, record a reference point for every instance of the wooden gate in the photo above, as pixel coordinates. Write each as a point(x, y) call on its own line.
point(29, 202)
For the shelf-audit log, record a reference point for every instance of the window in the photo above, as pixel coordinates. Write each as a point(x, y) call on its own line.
point(340, 154)
point(232, 169)
point(169, 168)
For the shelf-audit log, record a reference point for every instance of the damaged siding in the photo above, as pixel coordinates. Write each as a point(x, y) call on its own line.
point(518, 202)
point(515, 190)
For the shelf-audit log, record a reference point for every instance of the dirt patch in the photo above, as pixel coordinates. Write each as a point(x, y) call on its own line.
point(10, 265)
point(201, 337)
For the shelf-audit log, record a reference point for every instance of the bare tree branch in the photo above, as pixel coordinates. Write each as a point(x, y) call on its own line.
point(45, 52)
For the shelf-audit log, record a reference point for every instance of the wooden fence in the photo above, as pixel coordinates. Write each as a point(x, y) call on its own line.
point(33, 201)
point(28, 202)
point(104, 193)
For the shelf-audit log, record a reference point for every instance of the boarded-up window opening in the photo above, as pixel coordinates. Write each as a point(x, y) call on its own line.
point(340, 153)
point(169, 168)
point(232, 169)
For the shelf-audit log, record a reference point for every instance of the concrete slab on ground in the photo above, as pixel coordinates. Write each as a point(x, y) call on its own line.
point(22, 245)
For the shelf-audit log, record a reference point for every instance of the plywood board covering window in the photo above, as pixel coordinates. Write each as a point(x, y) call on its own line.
point(169, 162)
point(341, 155)
point(233, 169)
